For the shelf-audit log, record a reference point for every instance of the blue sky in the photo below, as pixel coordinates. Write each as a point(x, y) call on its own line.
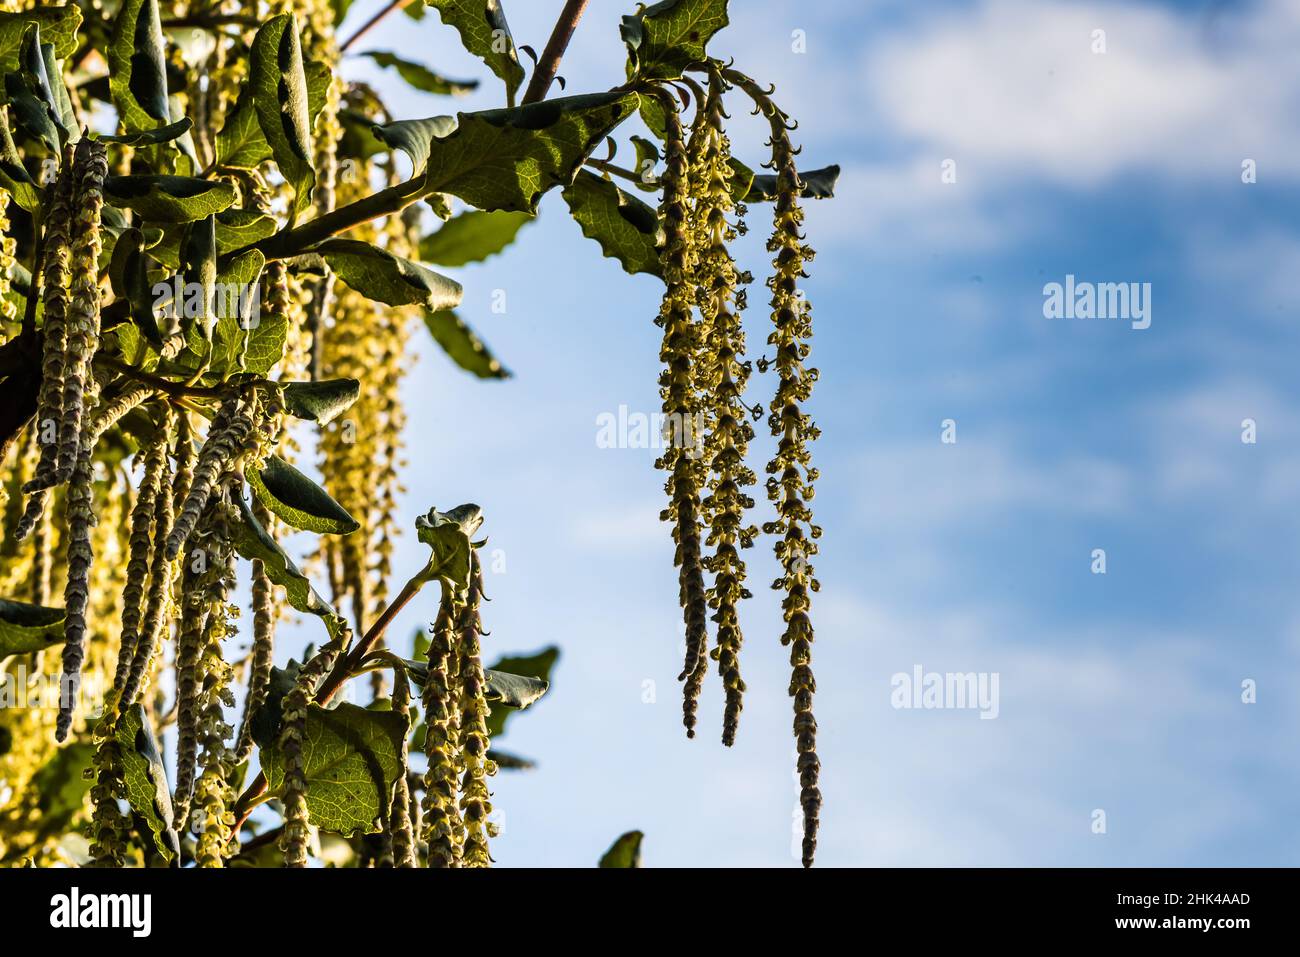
point(1120, 692)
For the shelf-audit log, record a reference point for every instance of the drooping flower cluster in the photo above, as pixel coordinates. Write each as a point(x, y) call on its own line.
point(704, 379)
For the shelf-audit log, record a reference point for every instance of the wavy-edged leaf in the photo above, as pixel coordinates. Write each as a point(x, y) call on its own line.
point(25, 628)
point(484, 32)
point(252, 541)
point(298, 501)
point(280, 95)
point(378, 274)
point(515, 692)
point(13, 175)
point(236, 228)
point(162, 134)
point(421, 77)
point(128, 273)
point(664, 39)
point(59, 25)
point(413, 137)
point(199, 275)
point(817, 184)
point(238, 307)
point(240, 142)
point(624, 852)
point(146, 778)
point(351, 759)
point(507, 159)
point(321, 402)
point(449, 536)
point(59, 88)
point(463, 346)
point(137, 66)
point(472, 237)
point(29, 111)
point(168, 199)
point(536, 667)
point(509, 761)
point(626, 228)
point(61, 786)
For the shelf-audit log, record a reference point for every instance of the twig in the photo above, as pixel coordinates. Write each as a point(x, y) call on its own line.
point(343, 670)
point(369, 24)
point(620, 172)
point(549, 64)
point(174, 389)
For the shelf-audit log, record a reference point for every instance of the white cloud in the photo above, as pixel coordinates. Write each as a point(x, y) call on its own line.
point(1012, 89)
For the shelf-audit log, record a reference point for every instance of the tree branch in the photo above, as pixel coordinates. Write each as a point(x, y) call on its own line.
point(369, 24)
point(549, 64)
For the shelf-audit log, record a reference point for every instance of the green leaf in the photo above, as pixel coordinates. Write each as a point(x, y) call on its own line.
point(507, 159)
point(463, 346)
point(647, 159)
point(240, 143)
point(299, 501)
point(25, 628)
point(163, 134)
point(146, 778)
point(624, 852)
point(62, 786)
point(129, 274)
point(742, 180)
point(653, 116)
point(664, 39)
point(378, 274)
point(512, 691)
point(817, 184)
point(484, 32)
point(199, 272)
point(59, 87)
point(279, 88)
point(239, 315)
point(29, 112)
point(509, 761)
point(413, 137)
point(351, 759)
point(536, 667)
point(472, 237)
point(137, 66)
point(168, 199)
point(13, 175)
point(449, 536)
point(626, 228)
point(321, 402)
point(236, 228)
point(421, 77)
point(59, 27)
point(252, 541)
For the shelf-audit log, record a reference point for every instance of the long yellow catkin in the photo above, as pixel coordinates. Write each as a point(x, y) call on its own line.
point(677, 388)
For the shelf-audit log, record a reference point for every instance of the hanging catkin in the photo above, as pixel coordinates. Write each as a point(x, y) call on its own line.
point(49, 402)
point(677, 389)
point(91, 165)
point(475, 802)
point(442, 821)
point(212, 794)
point(161, 569)
point(791, 475)
point(265, 614)
point(226, 438)
point(723, 375)
point(399, 816)
point(143, 521)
